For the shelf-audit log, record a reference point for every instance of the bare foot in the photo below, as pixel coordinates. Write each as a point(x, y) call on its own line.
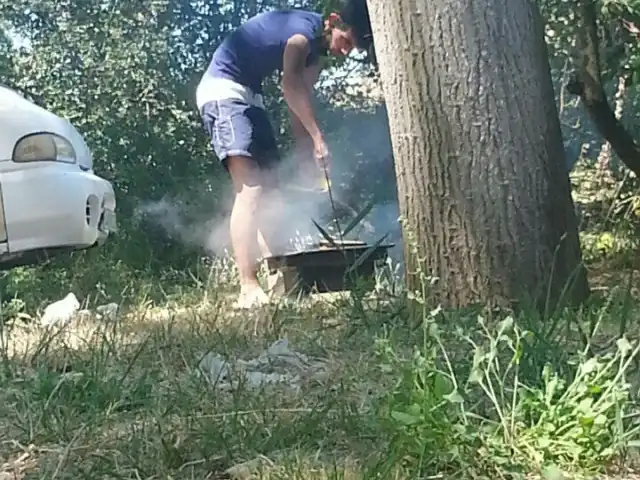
point(251, 297)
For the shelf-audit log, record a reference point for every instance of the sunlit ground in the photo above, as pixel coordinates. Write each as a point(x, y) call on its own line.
point(125, 397)
point(381, 390)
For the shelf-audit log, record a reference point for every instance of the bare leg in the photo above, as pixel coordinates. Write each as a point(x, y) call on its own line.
point(272, 236)
point(274, 224)
point(263, 245)
point(273, 278)
point(248, 184)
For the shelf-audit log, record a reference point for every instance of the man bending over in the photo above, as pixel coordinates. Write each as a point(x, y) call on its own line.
point(229, 98)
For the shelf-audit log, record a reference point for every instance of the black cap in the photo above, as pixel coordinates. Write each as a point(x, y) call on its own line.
point(355, 14)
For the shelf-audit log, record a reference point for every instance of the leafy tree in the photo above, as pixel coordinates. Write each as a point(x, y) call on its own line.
point(125, 74)
point(6, 58)
point(598, 39)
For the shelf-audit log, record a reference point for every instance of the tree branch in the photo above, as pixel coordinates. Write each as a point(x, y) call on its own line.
point(588, 85)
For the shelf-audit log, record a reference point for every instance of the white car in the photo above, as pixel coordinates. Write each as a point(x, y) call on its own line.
point(50, 199)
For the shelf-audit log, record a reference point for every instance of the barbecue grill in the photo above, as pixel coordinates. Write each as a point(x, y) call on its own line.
point(326, 266)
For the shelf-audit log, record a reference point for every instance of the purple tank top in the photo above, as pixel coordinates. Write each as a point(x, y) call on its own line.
point(255, 50)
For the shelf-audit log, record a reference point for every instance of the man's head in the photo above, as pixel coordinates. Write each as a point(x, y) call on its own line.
point(349, 28)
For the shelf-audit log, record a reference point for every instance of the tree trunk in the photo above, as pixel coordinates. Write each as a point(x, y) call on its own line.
point(478, 151)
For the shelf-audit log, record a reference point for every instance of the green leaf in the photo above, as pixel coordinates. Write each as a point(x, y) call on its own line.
point(506, 325)
point(358, 218)
point(590, 366)
point(475, 376)
point(624, 347)
point(553, 472)
point(544, 442)
point(433, 330)
point(585, 405)
point(405, 418)
point(365, 256)
point(326, 235)
point(442, 386)
point(600, 420)
point(454, 397)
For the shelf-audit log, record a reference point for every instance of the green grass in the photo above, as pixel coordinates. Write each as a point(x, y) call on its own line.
point(437, 395)
point(429, 394)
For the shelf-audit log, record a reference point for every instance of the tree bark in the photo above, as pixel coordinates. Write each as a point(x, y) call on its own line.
point(478, 151)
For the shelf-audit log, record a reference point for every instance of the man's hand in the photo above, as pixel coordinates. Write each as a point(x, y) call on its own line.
point(321, 154)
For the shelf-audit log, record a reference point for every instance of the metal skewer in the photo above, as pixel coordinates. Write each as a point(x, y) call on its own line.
point(333, 205)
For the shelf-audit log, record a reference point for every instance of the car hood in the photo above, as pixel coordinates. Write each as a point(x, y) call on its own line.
point(20, 117)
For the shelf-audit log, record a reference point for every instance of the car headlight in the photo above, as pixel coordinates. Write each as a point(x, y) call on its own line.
point(43, 147)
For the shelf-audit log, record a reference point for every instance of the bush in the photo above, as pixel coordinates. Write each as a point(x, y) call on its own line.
point(488, 402)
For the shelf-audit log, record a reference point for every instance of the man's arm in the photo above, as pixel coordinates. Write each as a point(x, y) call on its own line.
point(311, 75)
point(295, 80)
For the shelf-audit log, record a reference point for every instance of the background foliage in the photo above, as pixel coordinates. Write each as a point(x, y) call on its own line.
point(125, 74)
point(405, 393)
